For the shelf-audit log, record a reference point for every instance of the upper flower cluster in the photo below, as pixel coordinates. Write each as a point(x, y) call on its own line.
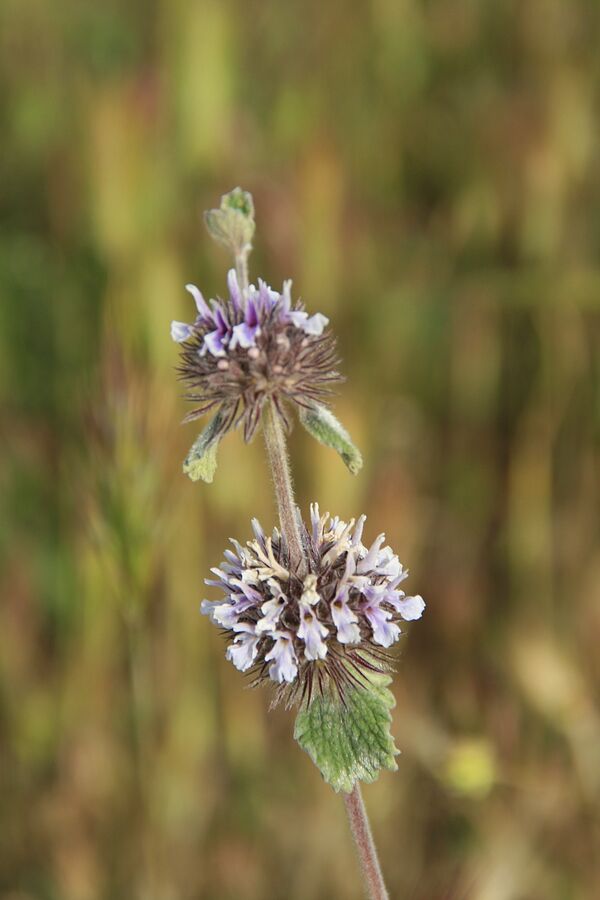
point(238, 323)
point(298, 628)
point(255, 345)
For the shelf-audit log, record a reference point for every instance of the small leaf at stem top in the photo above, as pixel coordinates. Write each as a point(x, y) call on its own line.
point(233, 223)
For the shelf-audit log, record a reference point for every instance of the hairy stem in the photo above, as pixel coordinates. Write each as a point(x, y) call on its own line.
point(282, 480)
point(241, 267)
point(286, 505)
point(276, 452)
point(365, 847)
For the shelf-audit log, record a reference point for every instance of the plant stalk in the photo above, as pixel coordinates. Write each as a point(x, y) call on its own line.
point(365, 846)
point(282, 480)
point(284, 492)
point(277, 452)
point(241, 267)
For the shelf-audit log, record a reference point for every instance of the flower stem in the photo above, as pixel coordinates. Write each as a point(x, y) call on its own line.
point(365, 846)
point(282, 480)
point(276, 451)
point(241, 267)
point(284, 492)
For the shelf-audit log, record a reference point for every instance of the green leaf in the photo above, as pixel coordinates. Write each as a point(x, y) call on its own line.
point(350, 742)
point(324, 426)
point(201, 461)
point(233, 223)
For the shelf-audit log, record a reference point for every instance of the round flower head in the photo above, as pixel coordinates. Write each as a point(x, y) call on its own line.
point(256, 345)
point(331, 623)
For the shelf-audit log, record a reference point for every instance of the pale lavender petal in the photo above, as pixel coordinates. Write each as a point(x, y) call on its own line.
point(286, 298)
point(315, 518)
point(401, 576)
point(180, 331)
point(385, 632)
point(358, 530)
point(315, 324)
point(298, 317)
point(214, 343)
point(350, 568)
point(345, 621)
point(410, 608)
point(242, 652)
point(201, 304)
point(285, 664)
point(271, 611)
point(267, 298)
point(249, 592)
point(207, 608)
point(375, 593)
point(251, 316)
point(220, 321)
point(234, 290)
point(227, 614)
point(368, 562)
point(388, 563)
point(312, 632)
point(310, 596)
point(244, 335)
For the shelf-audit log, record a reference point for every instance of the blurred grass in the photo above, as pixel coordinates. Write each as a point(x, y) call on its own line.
point(427, 172)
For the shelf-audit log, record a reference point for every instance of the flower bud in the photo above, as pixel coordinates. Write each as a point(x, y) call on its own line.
point(233, 223)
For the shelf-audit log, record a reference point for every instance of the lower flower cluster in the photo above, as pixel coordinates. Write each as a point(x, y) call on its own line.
point(332, 621)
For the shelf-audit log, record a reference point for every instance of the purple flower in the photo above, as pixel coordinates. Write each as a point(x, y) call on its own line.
point(242, 652)
point(385, 632)
point(284, 666)
point(410, 608)
point(308, 324)
point(312, 632)
point(341, 615)
point(254, 346)
point(246, 332)
point(271, 611)
point(234, 290)
point(201, 304)
point(181, 332)
point(216, 341)
point(345, 620)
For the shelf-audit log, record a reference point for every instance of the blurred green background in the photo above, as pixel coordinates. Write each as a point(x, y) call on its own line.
point(427, 172)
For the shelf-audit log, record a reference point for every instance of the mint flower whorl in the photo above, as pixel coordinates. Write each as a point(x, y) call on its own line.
point(254, 346)
point(304, 632)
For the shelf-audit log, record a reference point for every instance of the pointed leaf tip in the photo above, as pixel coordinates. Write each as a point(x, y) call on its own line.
point(201, 462)
point(349, 742)
point(323, 425)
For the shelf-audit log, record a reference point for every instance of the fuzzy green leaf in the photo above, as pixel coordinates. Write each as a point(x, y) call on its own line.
point(324, 426)
point(201, 461)
point(350, 742)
